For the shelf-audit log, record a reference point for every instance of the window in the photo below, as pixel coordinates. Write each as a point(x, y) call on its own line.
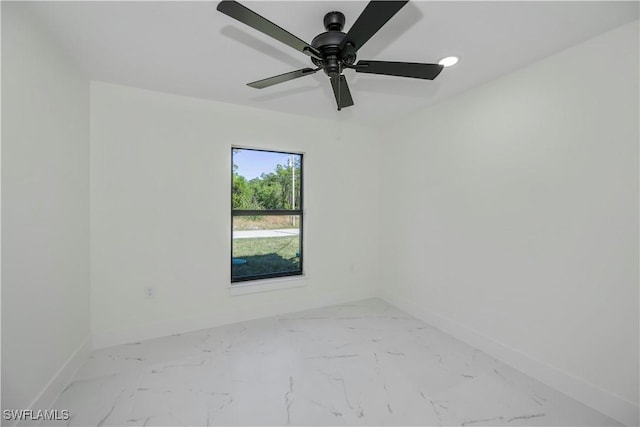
point(266, 214)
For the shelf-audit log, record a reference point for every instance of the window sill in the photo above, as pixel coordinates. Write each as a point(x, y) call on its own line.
point(266, 285)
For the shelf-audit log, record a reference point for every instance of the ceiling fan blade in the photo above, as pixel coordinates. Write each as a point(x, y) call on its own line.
point(372, 18)
point(252, 19)
point(261, 84)
point(402, 69)
point(341, 92)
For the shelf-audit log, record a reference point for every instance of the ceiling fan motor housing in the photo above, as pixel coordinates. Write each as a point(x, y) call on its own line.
point(328, 44)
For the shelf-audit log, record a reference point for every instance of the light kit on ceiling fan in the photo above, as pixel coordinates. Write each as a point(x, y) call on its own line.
point(334, 51)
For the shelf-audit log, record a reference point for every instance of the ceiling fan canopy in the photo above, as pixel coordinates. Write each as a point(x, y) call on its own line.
point(333, 51)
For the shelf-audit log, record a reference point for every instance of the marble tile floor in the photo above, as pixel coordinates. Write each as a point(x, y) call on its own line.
point(362, 363)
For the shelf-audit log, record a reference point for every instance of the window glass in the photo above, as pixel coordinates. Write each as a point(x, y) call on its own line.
point(266, 214)
point(265, 245)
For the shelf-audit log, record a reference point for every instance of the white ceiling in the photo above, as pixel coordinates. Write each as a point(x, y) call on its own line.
point(189, 48)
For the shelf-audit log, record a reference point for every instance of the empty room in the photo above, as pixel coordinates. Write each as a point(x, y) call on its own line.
point(320, 213)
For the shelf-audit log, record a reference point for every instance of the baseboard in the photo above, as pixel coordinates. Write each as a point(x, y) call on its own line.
point(59, 381)
point(603, 401)
point(157, 330)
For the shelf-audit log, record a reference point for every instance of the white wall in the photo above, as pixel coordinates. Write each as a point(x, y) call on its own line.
point(160, 210)
point(45, 209)
point(512, 211)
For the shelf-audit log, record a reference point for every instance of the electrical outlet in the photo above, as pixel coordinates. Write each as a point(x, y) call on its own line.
point(149, 292)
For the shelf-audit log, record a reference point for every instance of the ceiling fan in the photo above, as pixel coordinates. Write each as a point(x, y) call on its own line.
point(334, 50)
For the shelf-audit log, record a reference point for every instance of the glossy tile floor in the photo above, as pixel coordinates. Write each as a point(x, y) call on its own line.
point(363, 363)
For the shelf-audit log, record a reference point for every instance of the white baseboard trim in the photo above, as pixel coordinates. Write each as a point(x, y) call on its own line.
point(59, 381)
point(157, 330)
point(603, 401)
